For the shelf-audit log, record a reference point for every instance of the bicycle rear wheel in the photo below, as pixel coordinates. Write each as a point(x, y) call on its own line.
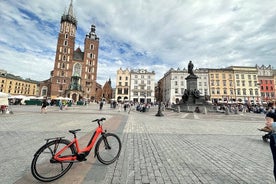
point(108, 148)
point(44, 168)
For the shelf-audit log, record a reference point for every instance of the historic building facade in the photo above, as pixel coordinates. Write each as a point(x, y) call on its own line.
point(15, 85)
point(122, 92)
point(75, 71)
point(246, 84)
point(222, 87)
point(174, 83)
point(266, 83)
point(142, 86)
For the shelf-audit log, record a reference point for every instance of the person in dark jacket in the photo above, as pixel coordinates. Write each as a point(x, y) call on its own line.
point(270, 123)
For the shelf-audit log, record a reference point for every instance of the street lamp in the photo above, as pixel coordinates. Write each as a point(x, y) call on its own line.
point(159, 113)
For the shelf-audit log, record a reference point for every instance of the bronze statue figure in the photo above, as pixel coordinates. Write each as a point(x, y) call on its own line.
point(190, 68)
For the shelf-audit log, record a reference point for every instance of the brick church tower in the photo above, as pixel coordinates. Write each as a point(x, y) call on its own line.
point(75, 71)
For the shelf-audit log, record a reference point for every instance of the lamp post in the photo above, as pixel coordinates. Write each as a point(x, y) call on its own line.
point(159, 113)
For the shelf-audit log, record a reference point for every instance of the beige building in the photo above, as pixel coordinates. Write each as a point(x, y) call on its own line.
point(16, 85)
point(122, 92)
point(246, 84)
point(221, 84)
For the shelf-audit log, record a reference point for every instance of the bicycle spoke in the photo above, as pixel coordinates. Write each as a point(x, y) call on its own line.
point(108, 148)
point(44, 168)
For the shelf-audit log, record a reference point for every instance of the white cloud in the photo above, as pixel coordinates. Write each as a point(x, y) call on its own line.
point(154, 34)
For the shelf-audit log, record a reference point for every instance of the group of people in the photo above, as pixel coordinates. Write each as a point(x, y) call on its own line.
point(61, 104)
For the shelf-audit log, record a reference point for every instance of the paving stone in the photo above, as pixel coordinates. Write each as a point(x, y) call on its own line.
point(176, 148)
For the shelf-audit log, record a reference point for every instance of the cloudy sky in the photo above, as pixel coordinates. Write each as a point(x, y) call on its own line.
point(151, 34)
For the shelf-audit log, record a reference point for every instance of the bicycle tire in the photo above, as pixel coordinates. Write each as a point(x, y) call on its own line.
point(108, 148)
point(42, 168)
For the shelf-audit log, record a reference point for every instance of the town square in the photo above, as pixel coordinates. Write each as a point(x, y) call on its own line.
point(174, 148)
point(163, 92)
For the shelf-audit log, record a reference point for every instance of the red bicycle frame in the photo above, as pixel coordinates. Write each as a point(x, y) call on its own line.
point(75, 141)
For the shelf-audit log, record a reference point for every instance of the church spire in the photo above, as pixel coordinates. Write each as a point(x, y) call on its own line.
point(69, 17)
point(70, 10)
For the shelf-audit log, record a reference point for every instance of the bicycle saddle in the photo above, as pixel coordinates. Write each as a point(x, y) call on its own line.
point(74, 131)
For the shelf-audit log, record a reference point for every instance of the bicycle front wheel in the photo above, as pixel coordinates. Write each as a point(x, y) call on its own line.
point(108, 148)
point(44, 168)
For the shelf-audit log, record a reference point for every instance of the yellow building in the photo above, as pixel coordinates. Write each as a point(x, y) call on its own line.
point(221, 82)
point(15, 85)
point(246, 84)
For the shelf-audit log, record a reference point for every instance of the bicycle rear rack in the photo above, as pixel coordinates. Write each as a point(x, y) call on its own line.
point(54, 138)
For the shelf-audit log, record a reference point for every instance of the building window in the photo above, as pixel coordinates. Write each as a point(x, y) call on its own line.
point(244, 91)
point(92, 47)
point(77, 69)
point(125, 91)
point(212, 82)
point(243, 83)
point(119, 91)
point(65, 42)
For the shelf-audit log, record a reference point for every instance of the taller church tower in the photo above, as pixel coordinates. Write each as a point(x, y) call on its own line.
point(62, 72)
point(75, 72)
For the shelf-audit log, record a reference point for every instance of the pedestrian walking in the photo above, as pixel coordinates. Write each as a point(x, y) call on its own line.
point(43, 106)
point(125, 107)
point(270, 123)
point(101, 105)
point(60, 105)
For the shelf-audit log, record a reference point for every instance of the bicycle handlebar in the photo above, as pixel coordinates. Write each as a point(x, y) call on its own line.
point(98, 120)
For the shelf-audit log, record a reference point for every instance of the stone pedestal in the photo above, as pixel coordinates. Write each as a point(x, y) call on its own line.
point(191, 82)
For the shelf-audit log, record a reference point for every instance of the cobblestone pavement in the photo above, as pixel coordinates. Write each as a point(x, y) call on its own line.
point(176, 148)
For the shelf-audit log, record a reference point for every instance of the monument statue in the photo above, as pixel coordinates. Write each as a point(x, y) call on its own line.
point(190, 68)
point(192, 100)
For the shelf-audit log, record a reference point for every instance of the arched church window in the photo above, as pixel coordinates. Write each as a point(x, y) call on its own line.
point(77, 69)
